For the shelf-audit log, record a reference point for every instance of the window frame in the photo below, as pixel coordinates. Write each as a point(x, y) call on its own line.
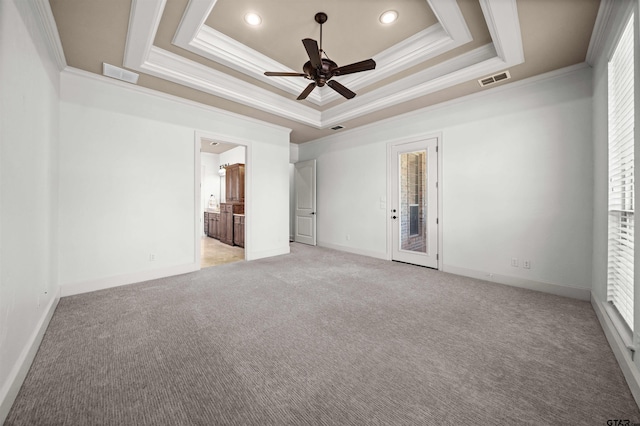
point(624, 329)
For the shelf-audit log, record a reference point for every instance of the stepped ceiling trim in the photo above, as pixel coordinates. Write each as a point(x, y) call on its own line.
point(450, 32)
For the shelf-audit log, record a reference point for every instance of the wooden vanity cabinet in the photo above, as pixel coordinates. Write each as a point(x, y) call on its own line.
point(211, 227)
point(225, 226)
point(238, 230)
point(234, 183)
point(214, 225)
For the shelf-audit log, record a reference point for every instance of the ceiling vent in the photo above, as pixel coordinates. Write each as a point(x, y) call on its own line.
point(119, 73)
point(487, 81)
point(338, 127)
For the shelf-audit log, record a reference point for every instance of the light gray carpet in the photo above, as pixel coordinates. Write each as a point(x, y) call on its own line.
point(322, 337)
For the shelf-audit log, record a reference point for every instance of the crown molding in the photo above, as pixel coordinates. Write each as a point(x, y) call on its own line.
point(193, 35)
point(363, 131)
point(462, 68)
point(164, 64)
point(504, 26)
point(598, 36)
point(615, 14)
point(41, 10)
point(75, 72)
point(450, 17)
point(501, 17)
point(144, 19)
point(222, 49)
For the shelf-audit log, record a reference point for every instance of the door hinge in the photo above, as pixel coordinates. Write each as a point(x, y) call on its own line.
point(437, 221)
point(436, 184)
point(437, 257)
point(436, 148)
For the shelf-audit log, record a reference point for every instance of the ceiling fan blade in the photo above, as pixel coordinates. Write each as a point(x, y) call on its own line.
point(340, 89)
point(313, 52)
point(365, 65)
point(283, 74)
point(306, 91)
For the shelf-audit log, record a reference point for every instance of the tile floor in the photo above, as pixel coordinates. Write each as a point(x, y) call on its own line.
point(213, 252)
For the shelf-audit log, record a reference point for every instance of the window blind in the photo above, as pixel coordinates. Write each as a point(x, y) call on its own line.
point(621, 176)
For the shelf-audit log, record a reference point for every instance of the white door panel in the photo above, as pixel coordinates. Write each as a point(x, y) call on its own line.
point(414, 203)
point(305, 202)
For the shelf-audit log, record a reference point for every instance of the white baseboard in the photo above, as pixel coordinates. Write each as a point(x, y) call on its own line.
point(18, 373)
point(377, 255)
point(628, 367)
point(255, 255)
point(557, 289)
point(119, 280)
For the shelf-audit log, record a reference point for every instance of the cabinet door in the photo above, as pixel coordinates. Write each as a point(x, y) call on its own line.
point(206, 223)
point(238, 230)
point(211, 226)
point(229, 228)
point(240, 183)
point(230, 183)
point(214, 226)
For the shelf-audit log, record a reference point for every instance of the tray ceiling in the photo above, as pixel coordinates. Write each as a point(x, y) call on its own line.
point(437, 49)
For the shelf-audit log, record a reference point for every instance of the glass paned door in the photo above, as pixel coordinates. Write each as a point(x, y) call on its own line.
point(414, 203)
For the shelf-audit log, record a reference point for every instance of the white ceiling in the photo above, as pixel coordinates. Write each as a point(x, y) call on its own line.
point(203, 51)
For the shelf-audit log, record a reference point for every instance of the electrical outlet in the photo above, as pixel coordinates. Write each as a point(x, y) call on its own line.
point(348, 237)
point(514, 262)
point(152, 257)
point(526, 264)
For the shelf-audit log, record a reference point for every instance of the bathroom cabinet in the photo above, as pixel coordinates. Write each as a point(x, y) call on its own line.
point(234, 183)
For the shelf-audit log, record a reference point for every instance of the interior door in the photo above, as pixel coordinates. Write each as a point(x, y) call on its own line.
point(305, 202)
point(414, 203)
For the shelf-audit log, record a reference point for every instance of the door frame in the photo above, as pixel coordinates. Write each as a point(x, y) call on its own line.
point(389, 222)
point(248, 205)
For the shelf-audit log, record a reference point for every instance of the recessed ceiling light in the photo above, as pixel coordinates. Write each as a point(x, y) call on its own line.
point(389, 16)
point(252, 19)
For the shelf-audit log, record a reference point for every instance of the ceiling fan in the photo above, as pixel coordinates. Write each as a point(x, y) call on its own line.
point(322, 70)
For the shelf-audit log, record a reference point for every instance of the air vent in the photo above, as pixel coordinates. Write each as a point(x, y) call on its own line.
point(119, 73)
point(494, 78)
point(338, 127)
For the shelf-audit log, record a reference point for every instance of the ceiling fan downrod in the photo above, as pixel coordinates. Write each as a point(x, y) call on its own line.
point(321, 18)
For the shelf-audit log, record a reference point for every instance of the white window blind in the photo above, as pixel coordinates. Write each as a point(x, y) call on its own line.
point(621, 176)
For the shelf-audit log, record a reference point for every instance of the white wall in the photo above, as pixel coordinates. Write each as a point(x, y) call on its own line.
point(28, 201)
point(516, 182)
point(233, 156)
point(127, 188)
point(210, 183)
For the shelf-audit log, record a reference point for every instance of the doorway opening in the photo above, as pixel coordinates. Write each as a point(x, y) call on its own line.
point(222, 200)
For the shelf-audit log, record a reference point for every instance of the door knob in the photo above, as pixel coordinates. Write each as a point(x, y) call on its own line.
point(313, 212)
point(394, 217)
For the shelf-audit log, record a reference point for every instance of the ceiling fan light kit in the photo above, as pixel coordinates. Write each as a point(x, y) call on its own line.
point(321, 70)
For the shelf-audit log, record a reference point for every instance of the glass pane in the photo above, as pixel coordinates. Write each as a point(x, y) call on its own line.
point(413, 201)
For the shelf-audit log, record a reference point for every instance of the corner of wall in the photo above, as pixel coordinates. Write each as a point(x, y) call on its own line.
point(18, 373)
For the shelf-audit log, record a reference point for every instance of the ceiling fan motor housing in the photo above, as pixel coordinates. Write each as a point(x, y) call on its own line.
point(320, 75)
